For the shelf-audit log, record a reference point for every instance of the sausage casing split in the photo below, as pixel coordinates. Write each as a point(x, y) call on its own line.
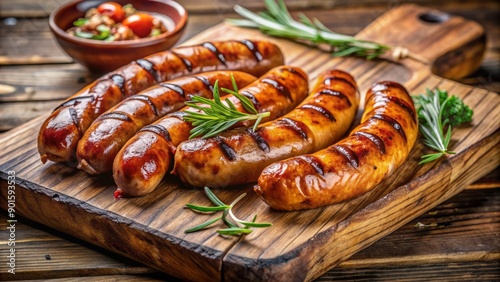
point(353, 166)
point(146, 158)
point(61, 131)
point(110, 131)
point(238, 156)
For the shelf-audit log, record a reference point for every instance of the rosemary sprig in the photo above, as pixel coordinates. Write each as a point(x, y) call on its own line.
point(437, 111)
point(277, 21)
point(214, 116)
point(235, 226)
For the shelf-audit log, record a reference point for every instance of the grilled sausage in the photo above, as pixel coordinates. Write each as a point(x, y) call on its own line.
point(146, 158)
point(60, 133)
point(353, 166)
point(110, 131)
point(238, 156)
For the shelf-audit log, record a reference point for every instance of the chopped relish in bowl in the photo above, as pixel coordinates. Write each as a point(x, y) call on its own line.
point(112, 22)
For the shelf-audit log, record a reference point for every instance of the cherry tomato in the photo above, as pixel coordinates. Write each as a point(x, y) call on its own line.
point(140, 23)
point(113, 10)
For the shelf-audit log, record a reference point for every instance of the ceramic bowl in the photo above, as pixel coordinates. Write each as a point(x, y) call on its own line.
point(99, 56)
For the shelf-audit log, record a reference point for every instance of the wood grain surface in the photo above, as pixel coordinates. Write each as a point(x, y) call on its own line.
point(150, 229)
point(457, 240)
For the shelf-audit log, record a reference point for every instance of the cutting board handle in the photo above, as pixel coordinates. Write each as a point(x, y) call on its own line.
point(454, 46)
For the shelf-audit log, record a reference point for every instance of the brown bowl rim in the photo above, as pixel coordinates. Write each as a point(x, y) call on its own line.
point(179, 25)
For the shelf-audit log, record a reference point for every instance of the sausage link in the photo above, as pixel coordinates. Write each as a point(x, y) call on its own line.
point(60, 133)
point(110, 131)
point(147, 157)
point(353, 166)
point(238, 156)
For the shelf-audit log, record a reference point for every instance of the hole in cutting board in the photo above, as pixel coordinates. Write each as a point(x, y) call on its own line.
point(434, 17)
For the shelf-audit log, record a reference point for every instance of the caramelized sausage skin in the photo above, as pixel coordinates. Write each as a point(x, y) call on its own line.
point(110, 131)
point(147, 157)
point(62, 130)
point(353, 166)
point(238, 156)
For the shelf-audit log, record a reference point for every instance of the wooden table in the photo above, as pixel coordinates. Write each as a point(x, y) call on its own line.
point(458, 240)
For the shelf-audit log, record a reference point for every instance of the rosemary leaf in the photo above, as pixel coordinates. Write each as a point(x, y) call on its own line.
point(434, 118)
point(215, 116)
point(202, 226)
point(234, 231)
point(256, 224)
point(211, 196)
point(207, 209)
point(237, 228)
point(226, 221)
point(216, 129)
point(259, 119)
point(277, 21)
point(430, 157)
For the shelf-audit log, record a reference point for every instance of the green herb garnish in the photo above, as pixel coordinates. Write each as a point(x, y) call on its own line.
point(214, 116)
point(104, 33)
point(277, 21)
point(80, 22)
point(155, 32)
point(235, 226)
point(436, 111)
point(83, 34)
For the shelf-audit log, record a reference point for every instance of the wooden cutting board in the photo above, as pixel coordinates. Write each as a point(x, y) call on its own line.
point(300, 245)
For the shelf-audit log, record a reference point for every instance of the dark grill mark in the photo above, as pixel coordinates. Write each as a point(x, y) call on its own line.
point(179, 115)
point(393, 85)
point(119, 81)
point(404, 105)
point(173, 87)
point(294, 126)
point(115, 115)
point(145, 99)
point(74, 118)
point(158, 129)
point(320, 110)
point(226, 149)
point(251, 97)
point(214, 50)
point(74, 101)
point(348, 154)
point(374, 139)
point(294, 71)
point(187, 63)
point(282, 89)
point(150, 68)
point(392, 122)
point(261, 142)
point(205, 82)
point(314, 162)
point(335, 93)
point(251, 46)
point(329, 81)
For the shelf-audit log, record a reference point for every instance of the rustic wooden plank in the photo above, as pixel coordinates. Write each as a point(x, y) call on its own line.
point(14, 114)
point(112, 278)
point(446, 233)
point(480, 271)
point(43, 255)
point(154, 224)
point(31, 8)
point(461, 232)
point(30, 41)
point(33, 83)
